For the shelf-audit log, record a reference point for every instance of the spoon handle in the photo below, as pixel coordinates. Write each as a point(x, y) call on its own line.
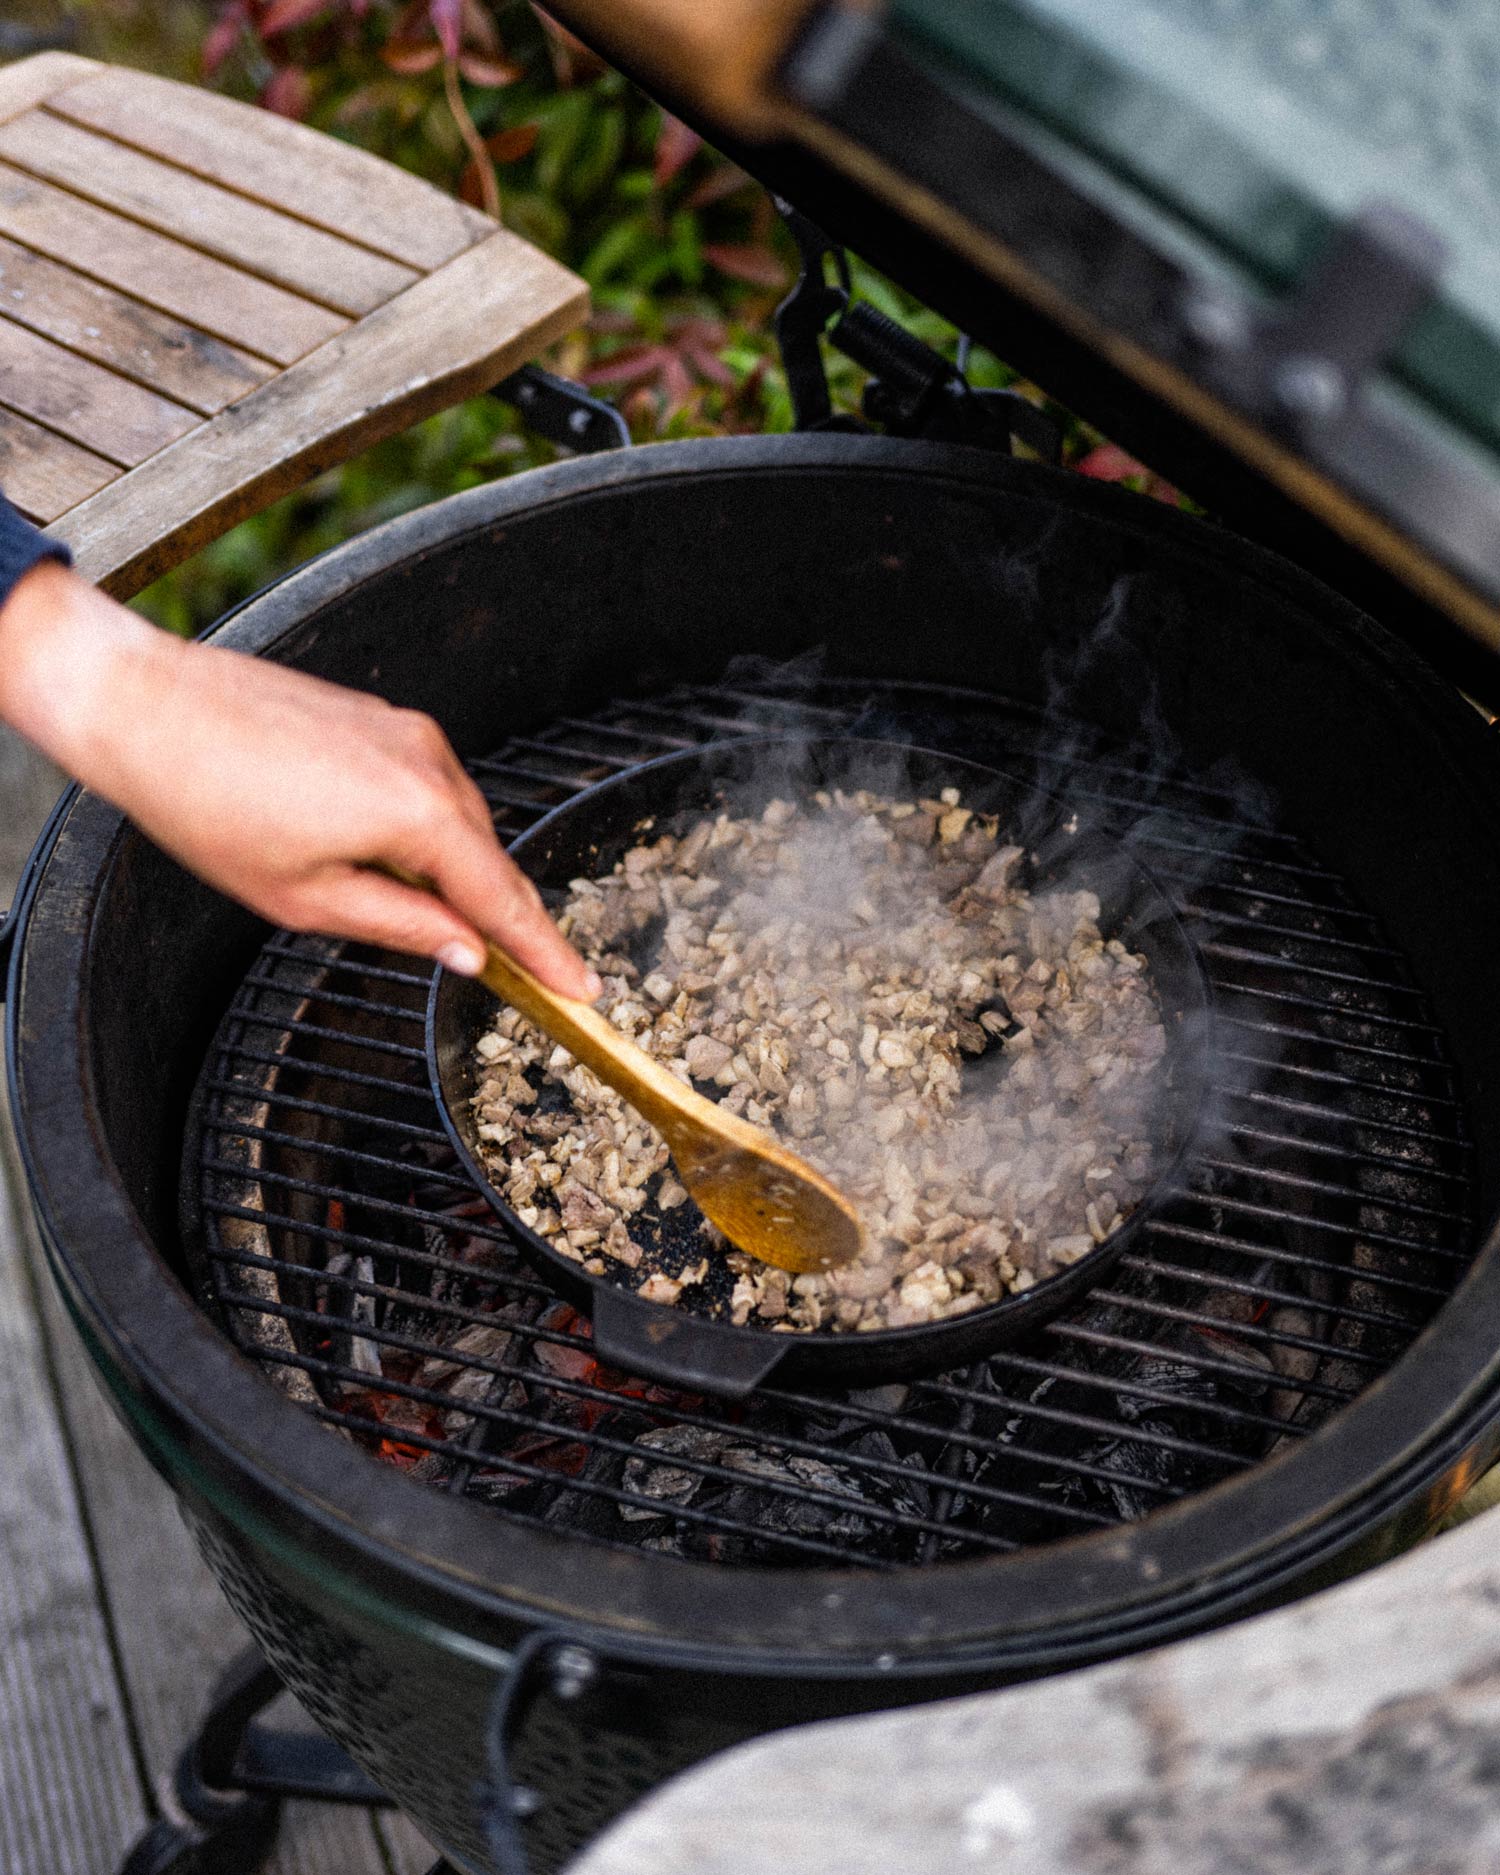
point(591, 1038)
point(677, 1111)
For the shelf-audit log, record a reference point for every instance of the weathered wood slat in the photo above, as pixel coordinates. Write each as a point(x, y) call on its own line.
point(82, 401)
point(32, 81)
point(135, 340)
point(324, 181)
point(69, 1795)
point(305, 260)
point(220, 299)
point(455, 333)
point(44, 475)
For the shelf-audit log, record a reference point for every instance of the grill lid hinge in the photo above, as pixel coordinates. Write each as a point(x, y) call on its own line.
point(913, 390)
point(563, 412)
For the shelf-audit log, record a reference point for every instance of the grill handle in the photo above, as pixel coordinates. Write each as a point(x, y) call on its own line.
point(667, 1345)
point(545, 1661)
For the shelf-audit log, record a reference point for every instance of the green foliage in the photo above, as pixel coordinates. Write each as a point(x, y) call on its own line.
point(684, 255)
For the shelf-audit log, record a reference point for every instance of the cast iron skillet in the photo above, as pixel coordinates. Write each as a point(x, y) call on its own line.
point(587, 835)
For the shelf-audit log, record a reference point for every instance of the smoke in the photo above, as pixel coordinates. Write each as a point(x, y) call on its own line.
point(888, 910)
point(1122, 818)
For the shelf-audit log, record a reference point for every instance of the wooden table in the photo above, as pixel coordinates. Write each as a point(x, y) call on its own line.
point(203, 304)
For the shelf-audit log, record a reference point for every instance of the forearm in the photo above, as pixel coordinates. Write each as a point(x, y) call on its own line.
point(71, 662)
point(281, 789)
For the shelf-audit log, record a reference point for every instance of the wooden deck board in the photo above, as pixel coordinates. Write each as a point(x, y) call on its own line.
point(121, 421)
point(45, 475)
point(452, 335)
point(70, 1795)
point(175, 1631)
point(163, 252)
point(177, 279)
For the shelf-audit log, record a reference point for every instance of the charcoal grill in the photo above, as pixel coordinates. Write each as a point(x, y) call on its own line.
point(490, 1566)
point(1270, 1389)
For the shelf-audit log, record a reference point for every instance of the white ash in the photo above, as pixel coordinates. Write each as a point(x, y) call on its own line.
point(975, 1063)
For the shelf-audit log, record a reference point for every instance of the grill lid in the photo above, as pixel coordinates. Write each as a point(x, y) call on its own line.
point(1278, 223)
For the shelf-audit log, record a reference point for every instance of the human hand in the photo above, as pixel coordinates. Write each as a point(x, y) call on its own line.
point(275, 787)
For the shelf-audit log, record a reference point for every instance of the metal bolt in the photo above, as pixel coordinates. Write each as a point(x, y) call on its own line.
point(574, 1670)
point(1217, 323)
point(1310, 387)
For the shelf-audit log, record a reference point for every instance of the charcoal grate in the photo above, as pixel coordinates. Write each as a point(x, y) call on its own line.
point(1327, 1219)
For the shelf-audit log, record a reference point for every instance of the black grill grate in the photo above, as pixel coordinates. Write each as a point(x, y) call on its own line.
point(1302, 1253)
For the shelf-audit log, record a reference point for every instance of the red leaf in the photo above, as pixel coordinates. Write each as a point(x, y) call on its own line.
point(509, 146)
point(572, 60)
point(447, 22)
point(676, 146)
point(288, 92)
point(282, 15)
point(479, 28)
point(1108, 463)
point(363, 100)
point(709, 365)
point(691, 331)
point(757, 265)
point(222, 38)
point(676, 384)
point(480, 70)
point(627, 367)
point(721, 181)
point(409, 60)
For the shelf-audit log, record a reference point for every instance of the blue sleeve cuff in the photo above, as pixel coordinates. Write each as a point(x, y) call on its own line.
point(21, 547)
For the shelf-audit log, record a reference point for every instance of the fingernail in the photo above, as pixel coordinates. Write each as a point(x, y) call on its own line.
point(593, 986)
point(463, 959)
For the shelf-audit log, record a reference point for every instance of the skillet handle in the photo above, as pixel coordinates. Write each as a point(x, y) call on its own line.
point(664, 1344)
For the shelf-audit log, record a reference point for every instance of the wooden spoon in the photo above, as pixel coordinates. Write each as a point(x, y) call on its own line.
point(767, 1201)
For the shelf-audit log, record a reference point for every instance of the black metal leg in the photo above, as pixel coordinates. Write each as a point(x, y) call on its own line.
point(233, 1777)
